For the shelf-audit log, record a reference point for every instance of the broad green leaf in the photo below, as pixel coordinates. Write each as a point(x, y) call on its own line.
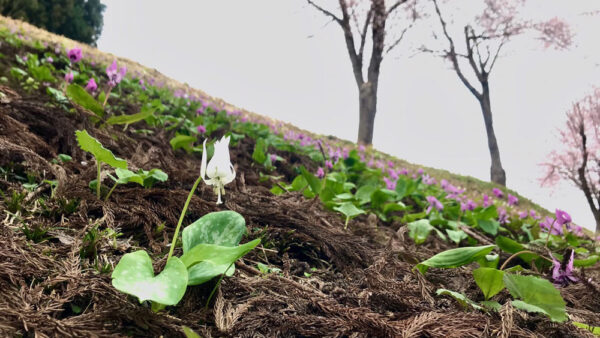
point(93, 146)
point(125, 176)
point(380, 196)
point(80, 96)
point(491, 304)
point(363, 194)
point(593, 259)
point(314, 182)
point(224, 228)
point(299, 183)
point(206, 261)
point(456, 235)
point(189, 333)
point(511, 246)
point(153, 176)
point(392, 207)
point(463, 300)
point(454, 258)
point(182, 141)
point(259, 155)
point(134, 275)
point(537, 295)
point(129, 119)
point(489, 261)
point(489, 226)
point(349, 210)
point(489, 281)
point(487, 213)
point(419, 230)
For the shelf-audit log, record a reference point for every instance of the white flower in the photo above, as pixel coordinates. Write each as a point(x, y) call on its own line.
point(219, 170)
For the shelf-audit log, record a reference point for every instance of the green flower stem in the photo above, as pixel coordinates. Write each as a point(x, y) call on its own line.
point(110, 192)
point(98, 180)
point(519, 253)
point(187, 203)
point(217, 285)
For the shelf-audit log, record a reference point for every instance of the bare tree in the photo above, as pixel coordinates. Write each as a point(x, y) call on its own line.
point(356, 19)
point(482, 41)
point(579, 161)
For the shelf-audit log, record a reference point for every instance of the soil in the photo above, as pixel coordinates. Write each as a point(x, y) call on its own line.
point(333, 282)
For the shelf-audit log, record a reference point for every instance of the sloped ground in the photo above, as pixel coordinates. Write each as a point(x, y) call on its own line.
point(362, 286)
point(56, 254)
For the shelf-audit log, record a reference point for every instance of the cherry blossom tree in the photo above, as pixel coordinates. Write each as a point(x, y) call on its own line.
point(474, 46)
point(579, 160)
point(387, 22)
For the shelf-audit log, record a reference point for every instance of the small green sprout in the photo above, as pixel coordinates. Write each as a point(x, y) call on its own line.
point(101, 154)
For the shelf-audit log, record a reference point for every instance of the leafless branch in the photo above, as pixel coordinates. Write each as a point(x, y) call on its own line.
point(324, 11)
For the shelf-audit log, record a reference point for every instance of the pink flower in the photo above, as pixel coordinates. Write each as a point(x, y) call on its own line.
point(69, 77)
point(201, 129)
point(512, 200)
point(487, 201)
point(74, 54)
point(115, 76)
point(434, 203)
point(562, 217)
point(550, 225)
point(389, 184)
point(523, 214)
point(329, 164)
point(562, 274)
point(91, 85)
point(273, 158)
point(498, 193)
point(320, 173)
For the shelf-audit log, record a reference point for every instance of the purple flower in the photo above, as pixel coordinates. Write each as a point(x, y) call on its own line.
point(320, 173)
point(550, 225)
point(498, 193)
point(362, 147)
point(393, 174)
point(74, 54)
point(444, 184)
point(420, 171)
point(273, 158)
point(434, 203)
point(404, 172)
point(49, 59)
point(69, 77)
point(390, 164)
point(562, 217)
point(502, 216)
point(512, 200)
point(533, 214)
point(575, 229)
point(115, 76)
point(201, 129)
point(428, 180)
point(523, 214)
point(389, 184)
point(469, 205)
point(91, 85)
point(487, 201)
point(562, 273)
point(329, 164)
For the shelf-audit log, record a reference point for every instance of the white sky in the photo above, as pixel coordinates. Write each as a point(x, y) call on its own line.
point(281, 59)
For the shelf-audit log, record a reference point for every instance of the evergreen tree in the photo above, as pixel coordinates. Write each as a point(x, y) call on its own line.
point(79, 20)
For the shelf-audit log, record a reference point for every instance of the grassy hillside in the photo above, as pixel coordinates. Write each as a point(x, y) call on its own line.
point(107, 230)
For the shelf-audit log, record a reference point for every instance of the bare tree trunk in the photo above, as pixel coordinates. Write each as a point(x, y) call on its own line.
point(367, 109)
point(496, 171)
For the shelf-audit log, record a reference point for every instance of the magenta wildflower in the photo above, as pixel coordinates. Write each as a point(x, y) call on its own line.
point(69, 77)
point(434, 203)
point(91, 85)
point(502, 216)
point(74, 54)
point(533, 214)
point(575, 229)
point(362, 147)
point(320, 173)
point(550, 225)
point(329, 164)
point(389, 184)
point(404, 172)
point(390, 164)
point(201, 129)
point(428, 180)
point(115, 76)
point(393, 174)
point(420, 171)
point(512, 200)
point(49, 59)
point(562, 273)
point(273, 158)
point(498, 193)
point(562, 217)
point(444, 184)
point(523, 214)
point(487, 201)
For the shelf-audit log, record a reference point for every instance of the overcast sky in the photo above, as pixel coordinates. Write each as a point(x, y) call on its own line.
point(282, 59)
